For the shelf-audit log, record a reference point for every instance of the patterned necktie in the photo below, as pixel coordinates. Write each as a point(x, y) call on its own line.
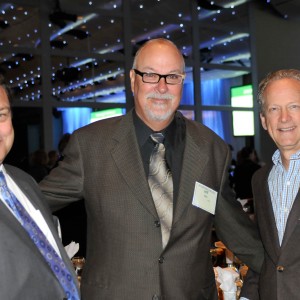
point(161, 186)
point(50, 255)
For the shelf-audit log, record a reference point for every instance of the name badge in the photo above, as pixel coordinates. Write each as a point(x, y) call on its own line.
point(205, 198)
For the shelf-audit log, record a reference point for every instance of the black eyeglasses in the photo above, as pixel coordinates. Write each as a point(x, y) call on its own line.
point(155, 78)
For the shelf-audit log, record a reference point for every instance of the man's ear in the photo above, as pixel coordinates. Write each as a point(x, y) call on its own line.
point(263, 121)
point(132, 79)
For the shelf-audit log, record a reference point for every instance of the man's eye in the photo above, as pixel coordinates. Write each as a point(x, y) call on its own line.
point(273, 110)
point(150, 75)
point(3, 116)
point(294, 107)
point(173, 76)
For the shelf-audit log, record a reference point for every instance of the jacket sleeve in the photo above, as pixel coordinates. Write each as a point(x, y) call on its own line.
point(234, 228)
point(250, 286)
point(64, 184)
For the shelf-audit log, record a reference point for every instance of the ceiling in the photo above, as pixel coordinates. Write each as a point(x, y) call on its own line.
point(91, 44)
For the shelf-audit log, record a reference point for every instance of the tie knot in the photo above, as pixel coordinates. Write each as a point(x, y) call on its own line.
point(157, 137)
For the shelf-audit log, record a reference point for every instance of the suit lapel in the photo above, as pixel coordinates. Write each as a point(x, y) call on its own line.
point(33, 197)
point(267, 219)
point(292, 220)
point(267, 223)
point(14, 224)
point(194, 162)
point(8, 218)
point(126, 154)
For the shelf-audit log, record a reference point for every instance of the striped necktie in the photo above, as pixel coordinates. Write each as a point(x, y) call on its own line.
point(39, 239)
point(161, 186)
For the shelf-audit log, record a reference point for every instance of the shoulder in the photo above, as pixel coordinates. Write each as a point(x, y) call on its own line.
point(262, 172)
point(204, 135)
point(16, 172)
point(102, 123)
point(105, 127)
point(20, 177)
point(99, 135)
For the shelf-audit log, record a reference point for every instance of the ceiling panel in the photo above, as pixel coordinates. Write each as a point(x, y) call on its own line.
point(87, 47)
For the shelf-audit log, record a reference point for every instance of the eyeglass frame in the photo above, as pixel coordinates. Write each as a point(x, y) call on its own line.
point(160, 76)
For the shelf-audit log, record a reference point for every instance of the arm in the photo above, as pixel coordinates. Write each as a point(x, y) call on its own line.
point(64, 184)
point(234, 228)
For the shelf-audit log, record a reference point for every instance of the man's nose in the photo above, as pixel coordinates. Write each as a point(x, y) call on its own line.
point(285, 115)
point(162, 85)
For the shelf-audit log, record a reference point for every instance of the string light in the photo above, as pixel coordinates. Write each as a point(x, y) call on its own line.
point(102, 35)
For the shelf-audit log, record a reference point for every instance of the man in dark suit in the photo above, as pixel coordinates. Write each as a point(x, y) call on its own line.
point(276, 188)
point(25, 274)
point(107, 164)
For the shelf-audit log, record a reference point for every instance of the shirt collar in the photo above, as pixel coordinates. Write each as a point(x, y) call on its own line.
point(143, 131)
point(276, 158)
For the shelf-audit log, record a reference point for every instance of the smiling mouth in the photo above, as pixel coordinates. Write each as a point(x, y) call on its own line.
point(158, 99)
point(287, 129)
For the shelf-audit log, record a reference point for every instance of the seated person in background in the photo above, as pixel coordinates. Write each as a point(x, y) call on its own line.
point(63, 142)
point(246, 166)
point(53, 157)
point(231, 167)
point(38, 165)
point(30, 249)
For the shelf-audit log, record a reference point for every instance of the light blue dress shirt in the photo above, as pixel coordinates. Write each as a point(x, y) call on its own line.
point(283, 186)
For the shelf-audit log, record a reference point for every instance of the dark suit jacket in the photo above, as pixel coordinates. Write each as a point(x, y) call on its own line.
point(24, 272)
point(280, 275)
point(125, 259)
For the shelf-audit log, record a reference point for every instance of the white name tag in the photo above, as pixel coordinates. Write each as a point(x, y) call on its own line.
point(205, 198)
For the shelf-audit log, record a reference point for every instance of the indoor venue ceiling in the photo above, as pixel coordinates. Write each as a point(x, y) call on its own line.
point(87, 47)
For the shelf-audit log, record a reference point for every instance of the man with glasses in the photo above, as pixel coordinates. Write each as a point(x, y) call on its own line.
point(154, 184)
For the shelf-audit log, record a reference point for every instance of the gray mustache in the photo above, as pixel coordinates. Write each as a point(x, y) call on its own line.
point(160, 96)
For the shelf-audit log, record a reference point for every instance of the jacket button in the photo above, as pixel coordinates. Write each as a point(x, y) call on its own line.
point(161, 259)
point(157, 223)
point(280, 268)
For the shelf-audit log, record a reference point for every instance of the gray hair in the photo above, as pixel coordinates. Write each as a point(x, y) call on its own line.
point(273, 76)
point(160, 41)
